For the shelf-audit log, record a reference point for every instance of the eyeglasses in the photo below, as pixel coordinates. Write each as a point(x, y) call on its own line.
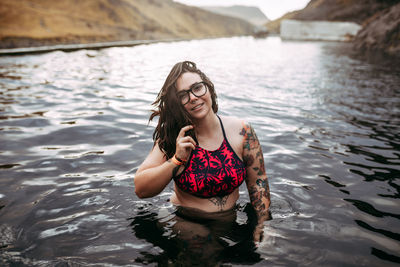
point(197, 89)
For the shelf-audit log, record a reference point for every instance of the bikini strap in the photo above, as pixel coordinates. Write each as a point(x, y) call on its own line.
point(222, 127)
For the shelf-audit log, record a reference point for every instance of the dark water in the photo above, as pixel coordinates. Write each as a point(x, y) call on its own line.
point(74, 130)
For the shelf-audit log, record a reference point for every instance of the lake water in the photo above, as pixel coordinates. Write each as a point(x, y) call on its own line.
point(74, 129)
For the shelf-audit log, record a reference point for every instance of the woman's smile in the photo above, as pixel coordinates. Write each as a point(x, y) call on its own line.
point(197, 107)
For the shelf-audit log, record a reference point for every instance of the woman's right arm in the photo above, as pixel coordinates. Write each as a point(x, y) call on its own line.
point(156, 172)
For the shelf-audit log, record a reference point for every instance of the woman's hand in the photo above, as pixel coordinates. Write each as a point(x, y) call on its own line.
point(184, 144)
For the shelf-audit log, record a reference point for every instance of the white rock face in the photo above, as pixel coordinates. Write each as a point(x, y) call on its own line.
point(319, 30)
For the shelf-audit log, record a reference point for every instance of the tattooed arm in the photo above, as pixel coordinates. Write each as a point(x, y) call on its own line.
point(256, 180)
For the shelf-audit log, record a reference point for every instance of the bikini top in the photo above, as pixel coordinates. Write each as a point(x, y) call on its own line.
point(212, 173)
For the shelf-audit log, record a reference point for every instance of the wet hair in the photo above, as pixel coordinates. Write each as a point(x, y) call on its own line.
point(172, 114)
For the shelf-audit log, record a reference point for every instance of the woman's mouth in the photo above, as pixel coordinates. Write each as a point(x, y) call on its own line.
point(197, 107)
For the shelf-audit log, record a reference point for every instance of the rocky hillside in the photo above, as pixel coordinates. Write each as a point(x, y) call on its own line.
point(380, 20)
point(381, 33)
point(358, 11)
point(26, 23)
point(251, 14)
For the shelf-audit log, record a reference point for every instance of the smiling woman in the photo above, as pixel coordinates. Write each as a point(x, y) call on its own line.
point(206, 155)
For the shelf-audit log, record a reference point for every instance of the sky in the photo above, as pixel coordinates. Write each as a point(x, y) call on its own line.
point(273, 9)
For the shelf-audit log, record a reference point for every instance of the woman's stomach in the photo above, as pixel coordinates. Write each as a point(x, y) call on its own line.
point(213, 204)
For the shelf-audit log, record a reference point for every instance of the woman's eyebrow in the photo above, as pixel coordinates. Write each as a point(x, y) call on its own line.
point(191, 86)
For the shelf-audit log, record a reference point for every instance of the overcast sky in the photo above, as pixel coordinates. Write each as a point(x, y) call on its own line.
point(273, 9)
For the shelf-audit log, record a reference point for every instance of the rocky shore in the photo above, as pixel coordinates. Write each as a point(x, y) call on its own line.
point(381, 33)
point(380, 21)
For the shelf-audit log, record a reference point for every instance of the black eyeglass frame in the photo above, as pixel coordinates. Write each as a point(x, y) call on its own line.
point(190, 90)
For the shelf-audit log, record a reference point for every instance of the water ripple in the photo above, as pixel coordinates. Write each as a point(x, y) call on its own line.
point(75, 129)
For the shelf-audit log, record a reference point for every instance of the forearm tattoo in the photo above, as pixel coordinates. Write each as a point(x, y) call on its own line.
point(254, 161)
point(256, 196)
point(219, 201)
point(264, 185)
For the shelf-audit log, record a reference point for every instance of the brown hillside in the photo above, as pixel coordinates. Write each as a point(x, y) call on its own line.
point(43, 22)
point(380, 20)
point(359, 11)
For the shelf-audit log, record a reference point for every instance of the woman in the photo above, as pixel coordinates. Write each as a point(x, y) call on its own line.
point(207, 156)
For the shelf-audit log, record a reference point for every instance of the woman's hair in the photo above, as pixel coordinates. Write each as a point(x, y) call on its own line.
point(173, 115)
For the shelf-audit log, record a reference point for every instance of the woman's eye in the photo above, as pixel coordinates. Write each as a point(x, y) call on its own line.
point(197, 87)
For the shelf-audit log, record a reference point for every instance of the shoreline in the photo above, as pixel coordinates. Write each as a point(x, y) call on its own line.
point(95, 46)
point(75, 47)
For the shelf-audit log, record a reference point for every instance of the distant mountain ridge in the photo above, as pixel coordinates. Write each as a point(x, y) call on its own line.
point(247, 13)
point(25, 23)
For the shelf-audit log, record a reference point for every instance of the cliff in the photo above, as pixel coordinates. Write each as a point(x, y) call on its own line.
point(358, 11)
point(379, 20)
point(26, 23)
point(381, 33)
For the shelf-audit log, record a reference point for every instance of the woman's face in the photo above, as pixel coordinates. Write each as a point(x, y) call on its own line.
point(197, 106)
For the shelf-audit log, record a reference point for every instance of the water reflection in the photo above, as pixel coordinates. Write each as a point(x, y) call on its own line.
point(74, 129)
point(196, 240)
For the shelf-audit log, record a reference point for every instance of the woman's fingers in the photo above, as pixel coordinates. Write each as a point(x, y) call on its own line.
point(187, 139)
point(188, 145)
point(184, 130)
point(184, 144)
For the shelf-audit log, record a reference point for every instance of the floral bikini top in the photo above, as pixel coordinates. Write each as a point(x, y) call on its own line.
point(212, 173)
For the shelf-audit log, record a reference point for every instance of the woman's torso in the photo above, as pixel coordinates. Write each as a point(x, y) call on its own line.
point(224, 196)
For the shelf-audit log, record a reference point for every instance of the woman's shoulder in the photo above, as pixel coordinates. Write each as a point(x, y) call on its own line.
point(232, 121)
point(233, 124)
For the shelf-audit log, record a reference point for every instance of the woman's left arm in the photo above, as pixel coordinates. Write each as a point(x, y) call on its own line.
point(256, 180)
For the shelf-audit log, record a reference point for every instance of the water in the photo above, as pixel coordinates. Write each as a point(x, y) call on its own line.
point(74, 129)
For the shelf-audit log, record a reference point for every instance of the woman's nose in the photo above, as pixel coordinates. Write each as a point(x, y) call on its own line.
point(192, 97)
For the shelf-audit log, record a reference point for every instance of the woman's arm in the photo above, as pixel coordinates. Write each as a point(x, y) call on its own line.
point(256, 181)
point(156, 172)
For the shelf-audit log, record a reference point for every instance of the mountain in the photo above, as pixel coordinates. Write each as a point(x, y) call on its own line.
point(248, 13)
point(25, 23)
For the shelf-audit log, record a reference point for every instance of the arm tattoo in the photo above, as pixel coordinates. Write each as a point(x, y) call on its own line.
point(250, 138)
point(248, 160)
point(256, 200)
point(258, 182)
point(261, 169)
point(264, 185)
point(219, 201)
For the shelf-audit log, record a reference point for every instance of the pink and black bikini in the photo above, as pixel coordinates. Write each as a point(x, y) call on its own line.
point(212, 173)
